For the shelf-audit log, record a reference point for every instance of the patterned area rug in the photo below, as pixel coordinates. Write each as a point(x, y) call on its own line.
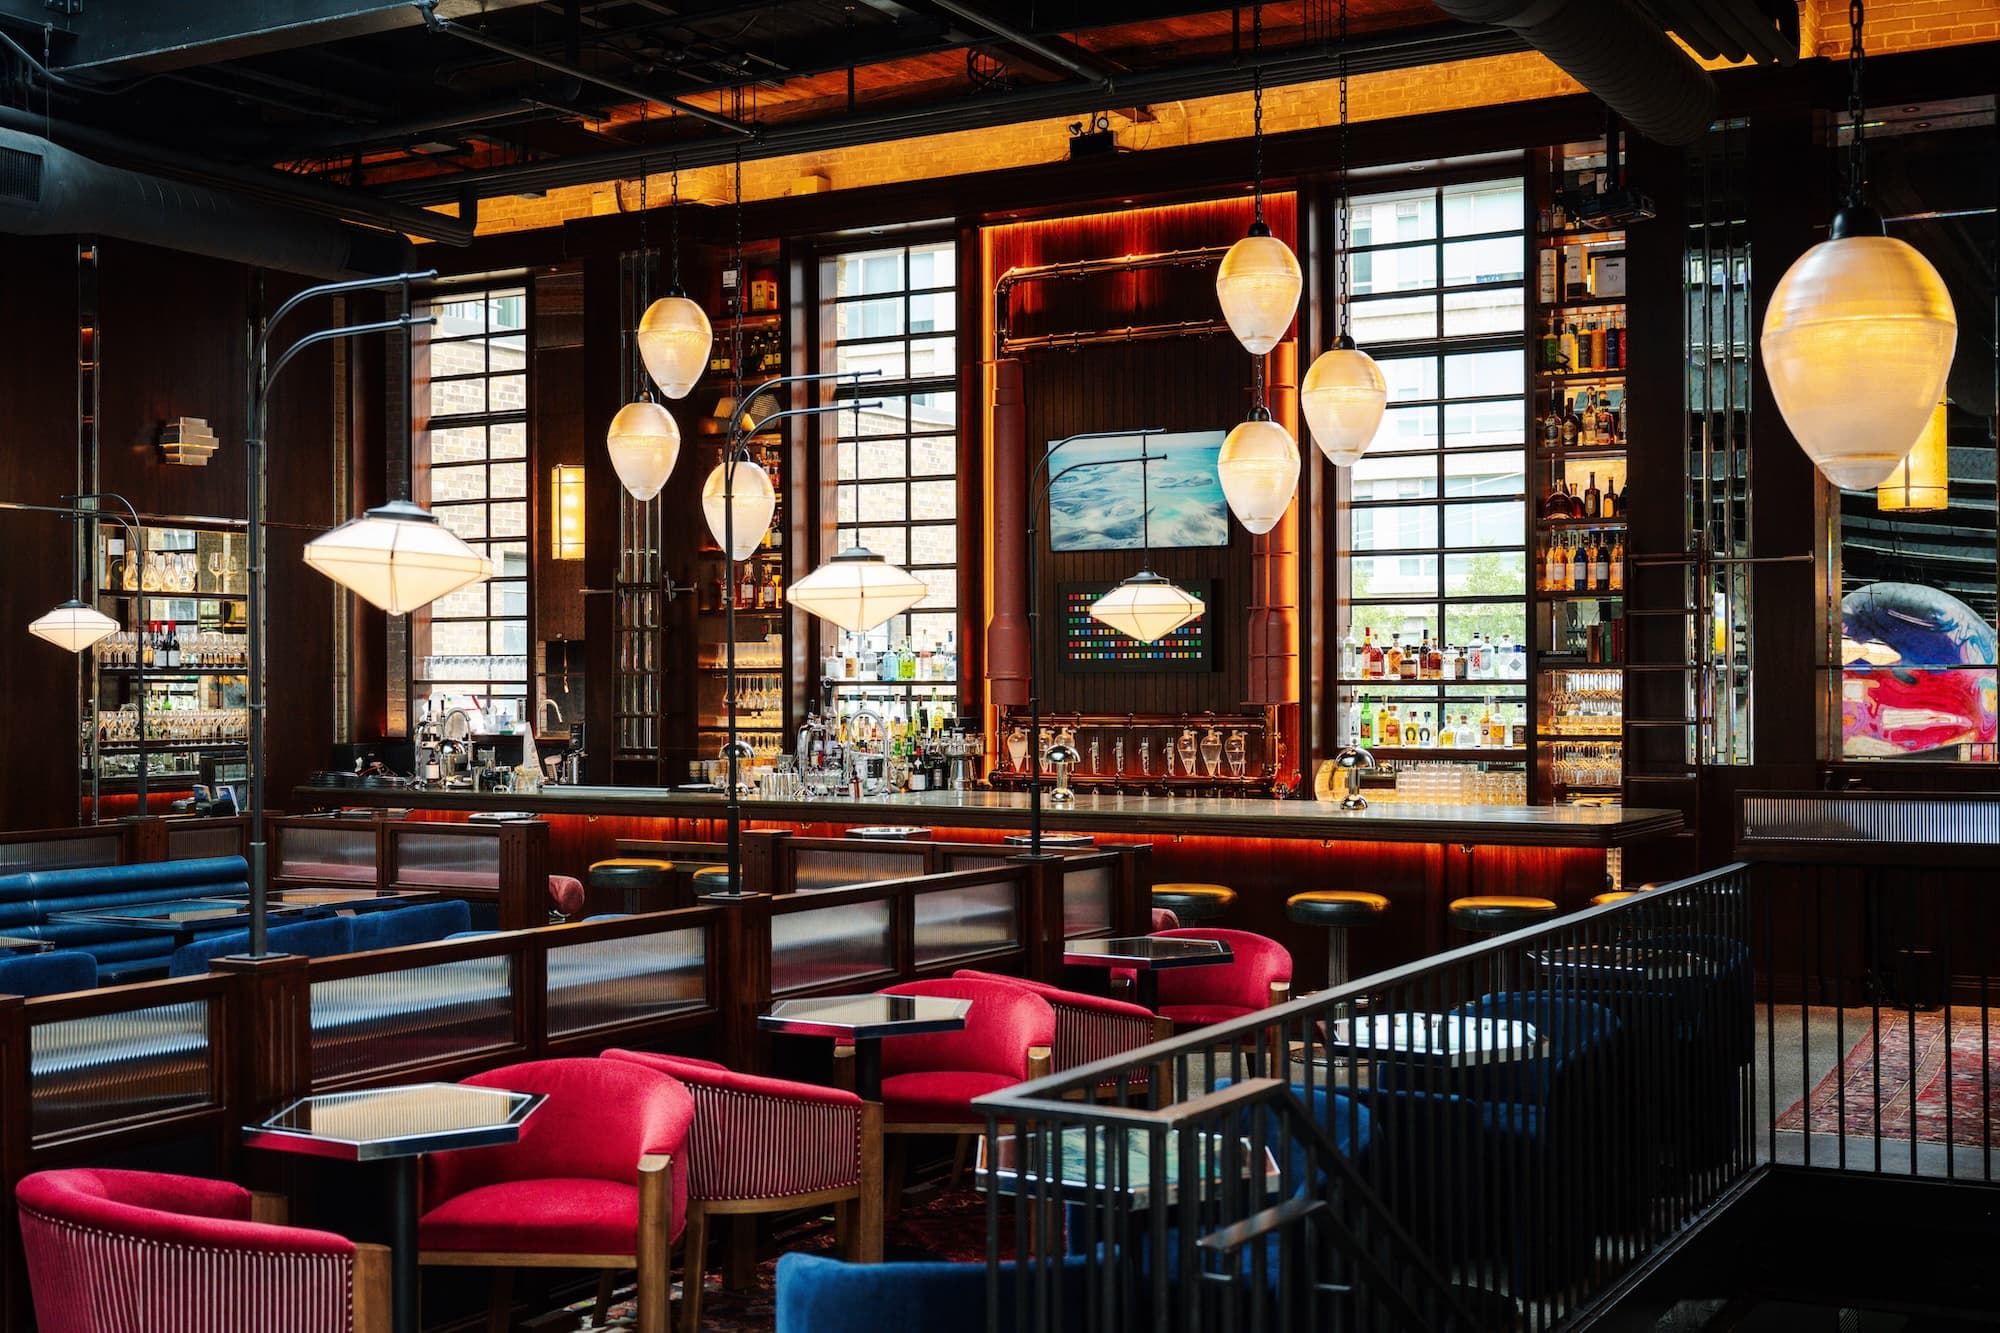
point(1962, 1109)
point(946, 1226)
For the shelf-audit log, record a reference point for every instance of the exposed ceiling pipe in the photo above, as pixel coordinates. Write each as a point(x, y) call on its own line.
point(1618, 54)
point(48, 190)
point(1027, 42)
point(295, 193)
point(480, 37)
point(1387, 52)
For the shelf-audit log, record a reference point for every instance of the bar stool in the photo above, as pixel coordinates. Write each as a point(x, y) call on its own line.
point(711, 879)
point(636, 879)
point(1615, 896)
point(1496, 915)
point(1339, 910)
point(1194, 903)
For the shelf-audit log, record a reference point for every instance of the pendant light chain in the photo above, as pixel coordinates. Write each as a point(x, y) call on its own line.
point(1343, 301)
point(1257, 110)
point(674, 219)
point(1857, 111)
point(742, 305)
point(645, 288)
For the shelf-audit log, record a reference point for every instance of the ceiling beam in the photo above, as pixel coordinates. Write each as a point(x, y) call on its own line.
point(108, 39)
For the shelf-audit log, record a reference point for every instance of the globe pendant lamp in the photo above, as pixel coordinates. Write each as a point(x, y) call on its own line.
point(73, 625)
point(750, 493)
point(398, 557)
point(1147, 607)
point(1259, 469)
point(674, 342)
point(1921, 483)
point(1859, 333)
point(1343, 398)
point(857, 590)
point(1258, 285)
point(644, 443)
point(1857, 343)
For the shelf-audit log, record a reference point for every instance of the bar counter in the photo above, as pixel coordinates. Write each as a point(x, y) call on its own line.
point(1420, 856)
point(1152, 816)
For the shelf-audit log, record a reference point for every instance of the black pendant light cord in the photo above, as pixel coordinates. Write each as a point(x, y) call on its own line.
point(1257, 120)
point(1854, 216)
point(1342, 297)
point(742, 305)
point(645, 284)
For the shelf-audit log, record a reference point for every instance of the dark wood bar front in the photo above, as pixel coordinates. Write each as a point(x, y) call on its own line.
point(1419, 856)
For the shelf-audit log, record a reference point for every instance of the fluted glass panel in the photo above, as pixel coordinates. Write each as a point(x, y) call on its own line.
point(830, 944)
point(413, 1015)
point(193, 842)
point(625, 980)
point(440, 858)
point(836, 869)
point(958, 923)
point(1086, 900)
point(327, 853)
point(141, 1062)
point(59, 853)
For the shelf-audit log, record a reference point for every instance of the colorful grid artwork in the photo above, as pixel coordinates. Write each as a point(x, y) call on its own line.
point(1092, 645)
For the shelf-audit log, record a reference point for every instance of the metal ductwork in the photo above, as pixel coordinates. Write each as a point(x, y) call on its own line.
point(48, 190)
point(1629, 62)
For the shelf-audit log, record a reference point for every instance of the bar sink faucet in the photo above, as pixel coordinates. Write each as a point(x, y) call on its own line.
point(871, 779)
point(542, 713)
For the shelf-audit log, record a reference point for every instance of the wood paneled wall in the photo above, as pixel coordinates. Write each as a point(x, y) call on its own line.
point(1179, 384)
point(172, 343)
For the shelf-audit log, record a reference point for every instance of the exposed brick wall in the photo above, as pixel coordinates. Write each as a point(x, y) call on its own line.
point(1893, 25)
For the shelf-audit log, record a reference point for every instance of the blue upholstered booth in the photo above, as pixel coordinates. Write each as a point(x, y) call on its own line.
point(818, 1295)
point(47, 973)
point(410, 925)
point(320, 937)
point(28, 898)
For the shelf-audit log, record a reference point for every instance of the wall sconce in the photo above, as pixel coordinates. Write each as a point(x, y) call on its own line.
point(187, 442)
point(566, 527)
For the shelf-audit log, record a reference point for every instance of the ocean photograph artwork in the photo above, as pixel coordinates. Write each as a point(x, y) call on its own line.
point(1099, 506)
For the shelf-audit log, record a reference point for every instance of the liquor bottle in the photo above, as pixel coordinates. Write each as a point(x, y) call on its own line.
point(1467, 737)
point(173, 644)
point(1372, 662)
point(746, 587)
point(1579, 568)
point(1486, 723)
point(1566, 347)
point(1422, 723)
point(1552, 425)
point(1392, 660)
point(1614, 345)
point(1366, 729)
point(1592, 498)
point(1600, 565)
point(777, 589)
point(1584, 345)
point(1517, 730)
point(1586, 428)
point(1551, 505)
point(1479, 659)
point(1410, 666)
point(146, 649)
point(1624, 422)
point(114, 560)
point(1607, 421)
point(1555, 569)
point(1447, 735)
point(1615, 563)
point(1575, 501)
point(1608, 506)
point(1349, 656)
point(1455, 664)
point(1354, 736)
point(1392, 728)
point(1599, 344)
point(1433, 663)
point(1550, 347)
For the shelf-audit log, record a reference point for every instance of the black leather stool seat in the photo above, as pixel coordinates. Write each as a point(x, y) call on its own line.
point(1336, 907)
point(1194, 902)
point(1494, 915)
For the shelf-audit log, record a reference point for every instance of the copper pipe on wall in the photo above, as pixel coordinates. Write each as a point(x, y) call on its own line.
point(1003, 288)
point(1132, 333)
point(1007, 630)
point(1273, 622)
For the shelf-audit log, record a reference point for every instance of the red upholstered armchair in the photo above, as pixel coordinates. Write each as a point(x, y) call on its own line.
point(929, 1081)
point(766, 1145)
point(1088, 1027)
point(1259, 977)
point(591, 1184)
point(136, 1252)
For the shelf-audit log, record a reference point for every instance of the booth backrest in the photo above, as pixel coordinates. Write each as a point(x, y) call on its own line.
point(27, 899)
point(410, 925)
point(321, 937)
point(53, 973)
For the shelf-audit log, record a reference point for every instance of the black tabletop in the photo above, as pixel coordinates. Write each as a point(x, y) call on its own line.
point(866, 1016)
point(396, 1122)
point(1146, 953)
point(175, 914)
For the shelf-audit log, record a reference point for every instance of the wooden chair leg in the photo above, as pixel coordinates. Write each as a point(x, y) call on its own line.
point(843, 1228)
point(960, 1150)
point(607, 1288)
point(896, 1151)
point(694, 1268)
point(500, 1301)
point(739, 1272)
